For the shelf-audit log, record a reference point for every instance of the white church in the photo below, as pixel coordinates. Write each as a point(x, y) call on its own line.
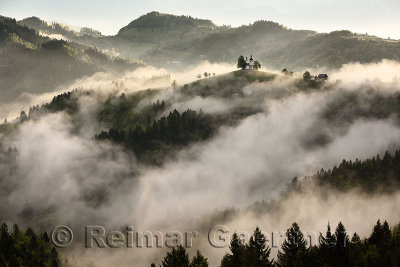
point(250, 63)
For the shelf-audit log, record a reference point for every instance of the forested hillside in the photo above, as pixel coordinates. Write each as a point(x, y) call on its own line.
point(177, 41)
point(26, 248)
point(333, 248)
point(35, 64)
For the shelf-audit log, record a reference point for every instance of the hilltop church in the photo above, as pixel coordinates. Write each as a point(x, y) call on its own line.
point(250, 63)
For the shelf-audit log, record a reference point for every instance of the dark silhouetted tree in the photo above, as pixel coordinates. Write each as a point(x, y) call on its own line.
point(306, 76)
point(257, 251)
point(177, 257)
point(241, 63)
point(293, 248)
point(199, 260)
point(237, 256)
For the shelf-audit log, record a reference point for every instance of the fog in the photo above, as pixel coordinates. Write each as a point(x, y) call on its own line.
point(62, 176)
point(107, 83)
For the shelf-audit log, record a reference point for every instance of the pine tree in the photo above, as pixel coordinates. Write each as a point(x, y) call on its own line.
point(376, 236)
point(355, 239)
point(355, 251)
point(257, 252)
point(342, 243)
point(4, 231)
point(342, 239)
point(199, 260)
point(237, 258)
point(293, 247)
point(327, 244)
point(329, 240)
point(177, 257)
point(16, 233)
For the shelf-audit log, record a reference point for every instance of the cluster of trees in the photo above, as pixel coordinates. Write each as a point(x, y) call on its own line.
point(372, 175)
point(242, 63)
point(178, 257)
point(287, 73)
point(61, 102)
point(254, 254)
point(176, 128)
point(349, 106)
point(26, 248)
point(205, 74)
point(381, 248)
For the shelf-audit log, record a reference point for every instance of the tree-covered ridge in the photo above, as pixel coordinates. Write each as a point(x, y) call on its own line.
point(333, 50)
point(275, 45)
point(151, 142)
point(227, 85)
point(372, 175)
point(332, 249)
point(57, 28)
point(160, 39)
point(27, 57)
point(155, 20)
point(15, 34)
point(344, 108)
point(35, 23)
point(369, 104)
point(26, 248)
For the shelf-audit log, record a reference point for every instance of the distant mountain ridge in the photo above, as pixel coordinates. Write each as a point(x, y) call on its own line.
point(33, 63)
point(162, 39)
point(155, 19)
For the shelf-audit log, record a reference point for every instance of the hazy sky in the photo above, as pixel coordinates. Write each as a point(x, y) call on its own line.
point(381, 17)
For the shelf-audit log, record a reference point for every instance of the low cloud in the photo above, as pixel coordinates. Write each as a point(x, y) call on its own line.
point(65, 177)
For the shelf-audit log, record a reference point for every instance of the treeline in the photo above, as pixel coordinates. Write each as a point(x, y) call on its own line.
point(26, 248)
point(349, 106)
point(62, 102)
point(176, 128)
point(381, 248)
point(375, 174)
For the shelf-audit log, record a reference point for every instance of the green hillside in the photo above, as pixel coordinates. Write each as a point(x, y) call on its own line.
point(27, 57)
point(334, 49)
point(155, 20)
point(178, 41)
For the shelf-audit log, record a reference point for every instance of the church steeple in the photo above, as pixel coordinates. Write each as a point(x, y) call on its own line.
point(251, 62)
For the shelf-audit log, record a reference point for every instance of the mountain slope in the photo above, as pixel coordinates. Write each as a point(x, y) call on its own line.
point(275, 45)
point(36, 64)
point(161, 39)
point(333, 50)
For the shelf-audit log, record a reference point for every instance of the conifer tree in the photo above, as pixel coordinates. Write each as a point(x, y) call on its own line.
point(257, 251)
point(341, 249)
point(237, 258)
point(293, 247)
point(177, 257)
point(199, 260)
